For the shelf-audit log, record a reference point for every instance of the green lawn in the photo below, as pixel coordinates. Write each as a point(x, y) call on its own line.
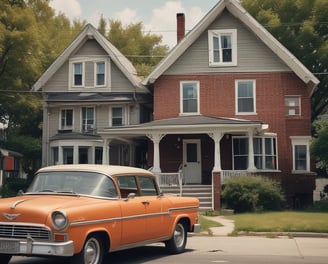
point(281, 222)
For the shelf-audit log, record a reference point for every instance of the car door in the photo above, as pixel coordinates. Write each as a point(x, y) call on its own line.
point(133, 212)
point(156, 206)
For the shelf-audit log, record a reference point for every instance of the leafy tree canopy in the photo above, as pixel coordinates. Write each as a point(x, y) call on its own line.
point(301, 26)
point(142, 49)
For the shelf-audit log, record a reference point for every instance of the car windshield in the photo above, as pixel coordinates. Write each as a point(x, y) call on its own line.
point(87, 183)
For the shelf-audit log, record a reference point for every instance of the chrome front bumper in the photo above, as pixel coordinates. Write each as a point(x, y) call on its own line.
point(28, 247)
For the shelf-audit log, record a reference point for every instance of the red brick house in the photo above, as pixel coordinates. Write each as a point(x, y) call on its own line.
point(229, 99)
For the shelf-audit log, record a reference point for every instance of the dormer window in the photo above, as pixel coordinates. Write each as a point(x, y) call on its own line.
point(222, 47)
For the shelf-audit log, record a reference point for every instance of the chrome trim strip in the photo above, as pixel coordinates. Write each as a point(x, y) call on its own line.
point(183, 208)
point(110, 220)
point(13, 206)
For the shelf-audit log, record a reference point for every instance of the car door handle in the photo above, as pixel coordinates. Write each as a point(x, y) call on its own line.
point(145, 202)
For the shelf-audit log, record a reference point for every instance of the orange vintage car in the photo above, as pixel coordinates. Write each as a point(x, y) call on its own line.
point(84, 211)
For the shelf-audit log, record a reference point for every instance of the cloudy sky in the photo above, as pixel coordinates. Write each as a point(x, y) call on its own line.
point(158, 16)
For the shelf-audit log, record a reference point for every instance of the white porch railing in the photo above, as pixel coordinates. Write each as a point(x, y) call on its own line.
point(172, 179)
point(225, 174)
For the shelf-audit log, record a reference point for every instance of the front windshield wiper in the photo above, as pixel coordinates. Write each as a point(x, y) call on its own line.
point(47, 190)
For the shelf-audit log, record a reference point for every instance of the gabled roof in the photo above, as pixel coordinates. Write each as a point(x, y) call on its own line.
point(89, 32)
point(234, 7)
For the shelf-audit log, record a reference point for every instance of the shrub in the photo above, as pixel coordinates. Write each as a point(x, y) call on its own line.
point(252, 193)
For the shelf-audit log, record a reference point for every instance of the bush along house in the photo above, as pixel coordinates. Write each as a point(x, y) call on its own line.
point(227, 100)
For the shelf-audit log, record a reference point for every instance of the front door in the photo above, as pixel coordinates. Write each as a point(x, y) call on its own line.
point(192, 161)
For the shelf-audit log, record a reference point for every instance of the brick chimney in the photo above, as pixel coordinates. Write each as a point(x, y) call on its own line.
point(180, 26)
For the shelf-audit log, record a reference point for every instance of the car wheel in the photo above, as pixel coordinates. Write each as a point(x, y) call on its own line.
point(4, 258)
point(92, 252)
point(177, 243)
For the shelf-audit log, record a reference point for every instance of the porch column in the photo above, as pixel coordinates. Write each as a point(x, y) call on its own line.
point(217, 136)
point(251, 165)
point(105, 159)
point(75, 154)
point(156, 138)
point(60, 155)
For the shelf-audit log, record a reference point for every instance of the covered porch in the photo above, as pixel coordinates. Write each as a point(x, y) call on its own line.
point(198, 150)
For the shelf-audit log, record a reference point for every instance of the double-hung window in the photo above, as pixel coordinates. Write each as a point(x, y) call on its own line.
point(88, 119)
point(189, 94)
point(78, 74)
point(265, 154)
point(117, 116)
point(100, 73)
point(240, 153)
point(245, 97)
point(222, 47)
point(301, 153)
point(293, 105)
point(66, 119)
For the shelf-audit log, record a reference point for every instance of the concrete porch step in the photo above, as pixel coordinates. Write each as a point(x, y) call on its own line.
point(202, 192)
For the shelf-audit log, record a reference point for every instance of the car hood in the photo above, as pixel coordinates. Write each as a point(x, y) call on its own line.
point(37, 208)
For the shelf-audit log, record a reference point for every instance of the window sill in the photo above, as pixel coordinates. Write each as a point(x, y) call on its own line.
point(302, 172)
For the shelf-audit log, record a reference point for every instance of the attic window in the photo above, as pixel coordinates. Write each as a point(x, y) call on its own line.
point(222, 47)
point(78, 74)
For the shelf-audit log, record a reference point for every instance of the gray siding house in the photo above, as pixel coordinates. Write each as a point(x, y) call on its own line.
point(90, 86)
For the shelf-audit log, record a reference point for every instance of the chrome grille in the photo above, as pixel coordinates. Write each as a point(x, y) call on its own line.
point(22, 231)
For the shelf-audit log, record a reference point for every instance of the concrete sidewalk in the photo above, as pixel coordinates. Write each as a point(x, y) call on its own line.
point(226, 229)
point(277, 244)
point(300, 247)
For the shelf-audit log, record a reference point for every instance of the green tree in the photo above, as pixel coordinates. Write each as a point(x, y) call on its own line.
point(319, 146)
point(31, 38)
point(142, 49)
point(301, 26)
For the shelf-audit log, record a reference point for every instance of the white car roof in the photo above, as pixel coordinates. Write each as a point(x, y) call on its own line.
point(104, 169)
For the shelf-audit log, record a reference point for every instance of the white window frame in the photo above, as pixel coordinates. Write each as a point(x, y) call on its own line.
point(83, 61)
point(219, 33)
point(65, 127)
point(72, 75)
point(124, 115)
point(182, 83)
point(237, 97)
point(84, 128)
point(263, 155)
point(292, 104)
point(301, 141)
point(96, 73)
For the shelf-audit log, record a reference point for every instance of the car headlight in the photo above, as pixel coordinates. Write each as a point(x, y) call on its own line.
point(59, 220)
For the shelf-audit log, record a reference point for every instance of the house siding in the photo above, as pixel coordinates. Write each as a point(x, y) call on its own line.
point(253, 55)
point(90, 51)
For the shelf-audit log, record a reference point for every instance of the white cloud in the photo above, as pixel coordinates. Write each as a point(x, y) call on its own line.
point(127, 16)
point(71, 8)
point(163, 20)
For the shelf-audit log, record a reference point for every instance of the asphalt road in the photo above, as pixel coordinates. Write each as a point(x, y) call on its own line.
point(234, 250)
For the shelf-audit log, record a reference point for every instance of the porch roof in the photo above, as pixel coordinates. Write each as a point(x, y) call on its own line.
point(73, 135)
point(97, 97)
point(188, 124)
